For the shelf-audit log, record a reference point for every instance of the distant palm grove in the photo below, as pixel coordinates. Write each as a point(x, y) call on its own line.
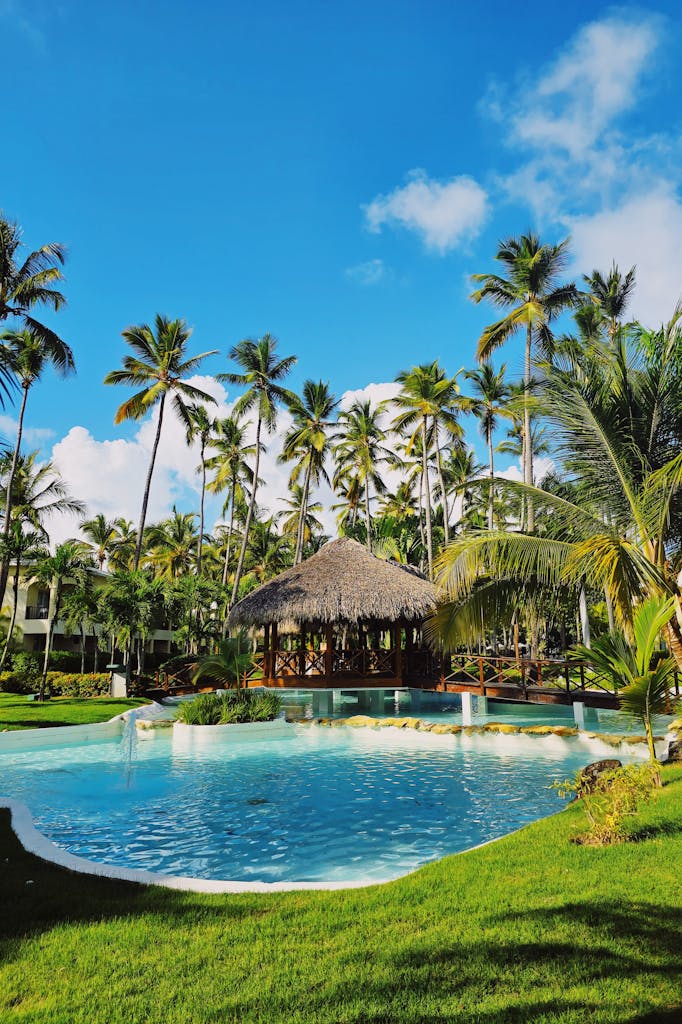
point(549, 560)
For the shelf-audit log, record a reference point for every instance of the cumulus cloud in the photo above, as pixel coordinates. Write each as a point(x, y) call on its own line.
point(30, 436)
point(368, 273)
point(542, 465)
point(443, 214)
point(645, 231)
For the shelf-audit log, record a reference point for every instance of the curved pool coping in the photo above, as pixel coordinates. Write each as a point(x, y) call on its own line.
point(37, 843)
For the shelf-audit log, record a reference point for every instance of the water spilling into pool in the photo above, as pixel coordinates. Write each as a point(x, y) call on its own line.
point(326, 805)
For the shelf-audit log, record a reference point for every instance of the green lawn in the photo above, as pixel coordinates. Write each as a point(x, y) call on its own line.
point(530, 929)
point(18, 713)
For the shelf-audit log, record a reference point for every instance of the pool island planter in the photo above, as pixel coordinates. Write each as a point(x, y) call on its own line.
point(233, 732)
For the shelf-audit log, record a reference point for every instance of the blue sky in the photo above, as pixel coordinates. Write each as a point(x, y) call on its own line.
point(329, 173)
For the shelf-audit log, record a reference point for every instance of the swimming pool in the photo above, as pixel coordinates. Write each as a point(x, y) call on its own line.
point(323, 805)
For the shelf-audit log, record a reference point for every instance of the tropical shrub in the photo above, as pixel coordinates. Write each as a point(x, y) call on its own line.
point(610, 800)
point(235, 707)
point(73, 684)
point(228, 666)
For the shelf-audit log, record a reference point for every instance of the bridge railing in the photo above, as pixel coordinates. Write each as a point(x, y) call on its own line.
point(489, 671)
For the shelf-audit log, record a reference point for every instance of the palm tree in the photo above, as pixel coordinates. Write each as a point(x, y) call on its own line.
point(611, 295)
point(28, 352)
point(27, 283)
point(102, 533)
point(232, 471)
point(200, 427)
point(361, 452)
point(80, 609)
point(643, 690)
point(159, 368)
point(171, 544)
point(38, 491)
point(618, 431)
point(299, 523)
point(536, 298)
point(427, 398)
point(68, 562)
point(488, 402)
point(308, 441)
point(226, 668)
point(269, 552)
point(122, 551)
point(263, 371)
point(20, 546)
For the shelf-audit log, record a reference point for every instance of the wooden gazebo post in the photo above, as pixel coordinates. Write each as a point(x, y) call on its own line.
point(267, 674)
point(328, 652)
point(273, 652)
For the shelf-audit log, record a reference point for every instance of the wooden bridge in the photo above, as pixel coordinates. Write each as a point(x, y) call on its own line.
point(521, 680)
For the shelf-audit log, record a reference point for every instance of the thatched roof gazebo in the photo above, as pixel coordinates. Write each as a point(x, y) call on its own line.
point(354, 615)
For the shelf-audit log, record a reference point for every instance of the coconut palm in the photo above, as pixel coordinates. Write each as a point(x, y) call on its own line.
point(308, 442)
point(67, 562)
point(102, 533)
point(269, 552)
point(232, 471)
point(200, 428)
point(80, 611)
point(627, 665)
point(611, 295)
point(20, 546)
point(159, 368)
point(39, 492)
point(487, 404)
point(617, 433)
point(427, 400)
point(28, 352)
point(172, 544)
point(29, 281)
point(532, 290)
point(361, 452)
point(229, 665)
point(296, 523)
point(121, 554)
point(263, 371)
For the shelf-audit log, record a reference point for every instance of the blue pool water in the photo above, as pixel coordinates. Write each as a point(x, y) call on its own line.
point(327, 804)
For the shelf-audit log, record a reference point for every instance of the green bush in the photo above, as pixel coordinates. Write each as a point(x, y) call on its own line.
point(233, 707)
point(610, 800)
point(12, 682)
point(73, 684)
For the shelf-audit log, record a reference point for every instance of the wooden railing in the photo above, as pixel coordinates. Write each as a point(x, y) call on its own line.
point(485, 671)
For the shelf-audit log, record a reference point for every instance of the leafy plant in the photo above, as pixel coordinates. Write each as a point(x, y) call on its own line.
point(643, 690)
point(227, 667)
point(234, 707)
point(610, 800)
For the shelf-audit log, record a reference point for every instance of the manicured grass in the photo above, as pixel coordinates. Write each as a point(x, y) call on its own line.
point(18, 713)
point(530, 929)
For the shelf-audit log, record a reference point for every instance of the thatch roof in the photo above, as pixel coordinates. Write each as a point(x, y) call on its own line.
point(342, 583)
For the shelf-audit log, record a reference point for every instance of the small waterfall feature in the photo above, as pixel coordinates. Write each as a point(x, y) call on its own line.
point(129, 745)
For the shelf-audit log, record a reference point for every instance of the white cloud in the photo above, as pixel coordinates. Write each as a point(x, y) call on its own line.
point(542, 465)
point(645, 231)
point(30, 435)
point(443, 214)
point(566, 123)
point(368, 273)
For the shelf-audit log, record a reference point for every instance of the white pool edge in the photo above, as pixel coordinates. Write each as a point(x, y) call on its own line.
point(38, 844)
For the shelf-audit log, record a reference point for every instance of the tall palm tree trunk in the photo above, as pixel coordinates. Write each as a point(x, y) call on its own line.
point(249, 517)
point(368, 516)
point(300, 533)
point(50, 637)
point(200, 544)
point(527, 439)
point(4, 566)
point(148, 484)
point(491, 494)
point(427, 499)
point(443, 494)
point(228, 547)
point(13, 619)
